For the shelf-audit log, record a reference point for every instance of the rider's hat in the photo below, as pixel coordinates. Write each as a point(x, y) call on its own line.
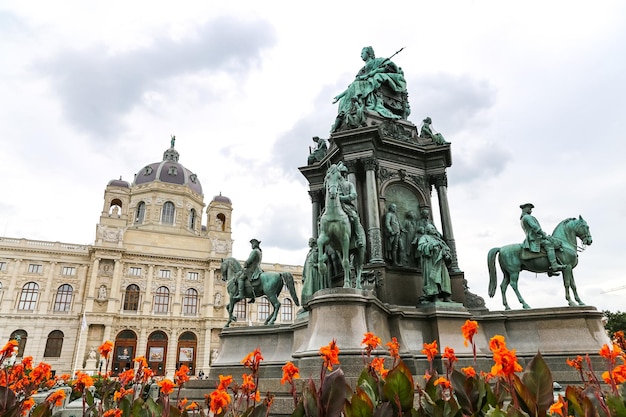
point(342, 168)
point(526, 205)
point(253, 241)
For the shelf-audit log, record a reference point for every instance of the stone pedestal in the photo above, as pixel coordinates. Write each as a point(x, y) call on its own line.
point(91, 366)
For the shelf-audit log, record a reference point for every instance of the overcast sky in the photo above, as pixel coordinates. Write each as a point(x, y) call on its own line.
point(531, 94)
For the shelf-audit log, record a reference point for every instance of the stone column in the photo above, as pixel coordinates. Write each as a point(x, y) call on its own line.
point(91, 290)
point(177, 301)
point(316, 198)
point(441, 184)
point(9, 300)
point(374, 237)
point(45, 302)
point(209, 293)
point(147, 301)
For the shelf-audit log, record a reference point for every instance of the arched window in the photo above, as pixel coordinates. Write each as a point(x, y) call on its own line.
point(20, 336)
point(63, 299)
point(167, 215)
point(54, 344)
point(192, 219)
point(131, 298)
point(161, 300)
point(140, 213)
point(263, 309)
point(220, 220)
point(116, 207)
point(286, 310)
point(28, 297)
point(190, 302)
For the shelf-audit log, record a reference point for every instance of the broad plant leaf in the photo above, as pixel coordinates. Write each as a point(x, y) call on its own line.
point(309, 399)
point(368, 383)
point(574, 405)
point(360, 405)
point(334, 393)
point(398, 388)
point(384, 410)
point(538, 380)
point(258, 411)
point(616, 405)
point(42, 410)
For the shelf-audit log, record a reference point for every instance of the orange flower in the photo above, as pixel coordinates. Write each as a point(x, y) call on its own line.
point(114, 412)
point(469, 372)
point(105, 349)
point(219, 399)
point(82, 381)
point(118, 395)
point(610, 354)
point(557, 407)
point(576, 363)
point(253, 359)
point(497, 343)
point(257, 396)
point(225, 381)
point(56, 398)
point(192, 406)
point(371, 342)
point(27, 404)
point(8, 349)
point(430, 350)
point(505, 363)
point(141, 360)
point(167, 386)
point(146, 374)
point(448, 354)
point(181, 375)
point(469, 329)
point(40, 373)
point(443, 382)
point(127, 376)
point(378, 365)
point(394, 348)
point(290, 371)
point(330, 354)
point(619, 374)
point(247, 385)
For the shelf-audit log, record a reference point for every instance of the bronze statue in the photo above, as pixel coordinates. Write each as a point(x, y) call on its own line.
point(312, 280)
point(536, 239)
point(435, 255)
point(364, 94)
point(428, 132)
point(340, 226)
point(513, 260)
point(394, 247)
point(269, 284)
point(251, 270)
point(319, 152)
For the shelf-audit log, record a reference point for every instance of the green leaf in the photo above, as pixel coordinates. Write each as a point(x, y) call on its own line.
point(572, 394)
point(360, 405)
point(616, 405)
point(42, 410)
point(89, 398)
point(384, 410)
point(368, 383)
point(514, 412)
point(463, 389)
point(299, 410)
point(334, 393)
point(174, 411)
point(153, 407)
point(398, 387)
point(538, 380)
point(124, 405)
point(137, 409)
point(258, 411)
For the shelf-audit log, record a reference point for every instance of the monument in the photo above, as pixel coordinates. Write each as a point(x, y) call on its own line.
point(378, 262)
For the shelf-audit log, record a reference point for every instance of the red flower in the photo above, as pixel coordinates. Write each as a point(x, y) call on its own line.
point(448, 354)
point(330, 354)
point(290, 371)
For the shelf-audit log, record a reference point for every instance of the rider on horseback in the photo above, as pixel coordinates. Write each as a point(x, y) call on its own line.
point(537, 239)
point(347, 197)
point(251, 269)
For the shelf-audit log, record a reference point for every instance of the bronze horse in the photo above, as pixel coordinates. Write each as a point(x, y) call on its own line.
point(512, 262)
point(335, 230)
point(270, 285)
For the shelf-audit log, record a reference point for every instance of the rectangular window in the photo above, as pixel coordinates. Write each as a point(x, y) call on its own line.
point(134, 271)
point(35, 269)
point(3, 266)
point(240, 310)
point(193, 276)
point(69, 270)
point(263, 309)
point(165, 273)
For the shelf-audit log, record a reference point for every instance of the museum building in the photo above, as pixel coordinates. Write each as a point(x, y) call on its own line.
point(150, 283)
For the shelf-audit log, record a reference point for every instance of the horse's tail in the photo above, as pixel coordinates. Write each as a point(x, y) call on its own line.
point(288, 281)
point(493, 277)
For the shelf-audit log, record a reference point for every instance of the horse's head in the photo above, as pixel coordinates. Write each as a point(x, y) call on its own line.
point(224, 269)
point(331, 181)
point(582, 231)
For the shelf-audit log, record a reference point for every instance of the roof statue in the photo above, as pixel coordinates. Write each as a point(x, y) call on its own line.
point(378, 88)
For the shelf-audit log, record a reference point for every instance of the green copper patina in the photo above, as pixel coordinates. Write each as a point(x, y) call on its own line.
point(251, 269)
point(394, 245)
point(435, 255)
point(269, 284)
point(312, 280)
point(319, 152)
point(428, 132)
point(379, 87)
point(515, 258)
point(340, 226)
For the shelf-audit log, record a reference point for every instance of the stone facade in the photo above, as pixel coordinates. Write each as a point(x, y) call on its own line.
point(150, 283)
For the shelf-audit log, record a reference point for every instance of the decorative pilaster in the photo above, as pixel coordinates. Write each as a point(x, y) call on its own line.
point(147, 301)
point(91, 290)
point(115, 300)
point(316, 198)
point(374, 237)
point(441, 184)
point(44, 306)
point(176, 304)
point(9, 300)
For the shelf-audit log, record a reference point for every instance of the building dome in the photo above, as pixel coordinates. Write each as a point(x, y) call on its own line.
point(221, 199)
point(169, 171)
point(119, 183)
